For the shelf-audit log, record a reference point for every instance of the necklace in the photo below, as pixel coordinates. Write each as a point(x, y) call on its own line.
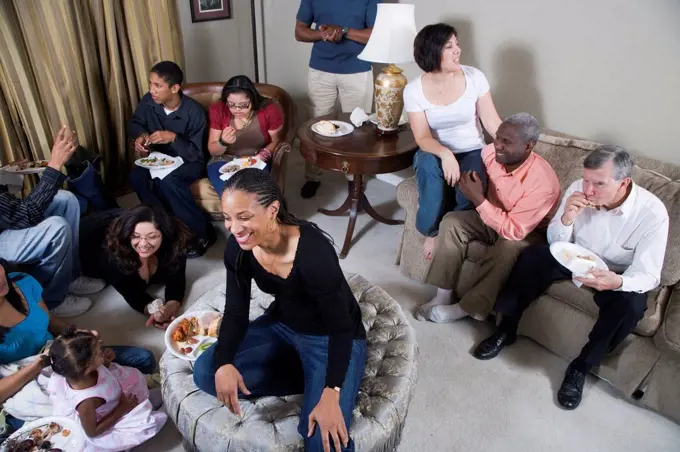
point(247, 122)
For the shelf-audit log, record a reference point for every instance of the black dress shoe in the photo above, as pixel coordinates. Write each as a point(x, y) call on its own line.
point(309, 189)
point(201, 246)
point(492, 345)
point(571, 391)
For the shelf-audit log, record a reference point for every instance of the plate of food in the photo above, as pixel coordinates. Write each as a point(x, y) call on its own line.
point(576, 258)
point(236, 165)
point(189, 335)
point(53, 433)
point(35, 167)
point(332, 128)
point(154, 162)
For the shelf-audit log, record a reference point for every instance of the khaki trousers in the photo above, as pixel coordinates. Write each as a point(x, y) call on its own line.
point(456, 231)
point(323, 90)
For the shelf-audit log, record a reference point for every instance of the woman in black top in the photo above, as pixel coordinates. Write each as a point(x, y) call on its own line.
point(311, 340)
point(133, 248)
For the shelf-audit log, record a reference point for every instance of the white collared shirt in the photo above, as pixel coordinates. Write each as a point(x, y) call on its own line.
point(631, 239)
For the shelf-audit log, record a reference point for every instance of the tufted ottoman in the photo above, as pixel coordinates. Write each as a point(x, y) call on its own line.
point(270, 423)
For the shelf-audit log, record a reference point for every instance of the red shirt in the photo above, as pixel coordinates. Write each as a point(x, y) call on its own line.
point(269, 116)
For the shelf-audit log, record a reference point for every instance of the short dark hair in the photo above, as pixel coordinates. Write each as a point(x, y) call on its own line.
point(242, 84)
point(622, 160)
point(72, 352)
point(429, 45)
point(169, 71)
point(173, 250)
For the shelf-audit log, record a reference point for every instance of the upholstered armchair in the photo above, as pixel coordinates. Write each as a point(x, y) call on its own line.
point(206, 94)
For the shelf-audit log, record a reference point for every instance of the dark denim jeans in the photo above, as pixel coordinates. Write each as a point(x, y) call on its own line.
point(435, 197)
point(214, 175)
point(274, 360)
point(137, 357)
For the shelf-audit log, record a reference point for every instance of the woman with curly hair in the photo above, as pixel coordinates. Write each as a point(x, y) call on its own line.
point(133, 248)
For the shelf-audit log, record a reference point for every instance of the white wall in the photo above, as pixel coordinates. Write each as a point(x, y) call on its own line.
point(606, 70)
point(218, 49)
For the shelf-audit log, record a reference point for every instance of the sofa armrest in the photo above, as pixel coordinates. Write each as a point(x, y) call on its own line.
point(279, 164)
point(667, 338)
point(407, 194)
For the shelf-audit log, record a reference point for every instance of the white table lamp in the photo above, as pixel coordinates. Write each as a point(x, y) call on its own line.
point(391, 42)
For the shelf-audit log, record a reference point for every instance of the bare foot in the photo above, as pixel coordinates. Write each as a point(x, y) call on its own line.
point(428, 248)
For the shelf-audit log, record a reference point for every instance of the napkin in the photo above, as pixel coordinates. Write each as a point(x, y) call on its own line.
point(358, 117)
point(161, 173)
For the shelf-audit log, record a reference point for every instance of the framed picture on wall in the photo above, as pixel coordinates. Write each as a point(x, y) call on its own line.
point(204, 10)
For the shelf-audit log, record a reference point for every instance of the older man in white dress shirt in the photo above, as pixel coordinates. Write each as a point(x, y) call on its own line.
point(627, 227)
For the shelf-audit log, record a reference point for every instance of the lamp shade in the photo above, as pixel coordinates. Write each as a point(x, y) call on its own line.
point(393, 34)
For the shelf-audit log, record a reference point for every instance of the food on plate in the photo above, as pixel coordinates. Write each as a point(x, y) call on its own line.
point(186, 350)
point(326, 127)
point(205, 346)
point(36, 439)
point(585, 257)
point(155, 161)
point(65, 432)
point(214, 327)
point(250, 161)
point(228, 169)
point(192, 340)
point(188, 327)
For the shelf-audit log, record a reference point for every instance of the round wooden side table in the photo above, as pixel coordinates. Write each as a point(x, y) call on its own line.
point(359, 154)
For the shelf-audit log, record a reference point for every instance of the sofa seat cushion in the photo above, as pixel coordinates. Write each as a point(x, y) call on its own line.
point(582, 298)
point(206, 196)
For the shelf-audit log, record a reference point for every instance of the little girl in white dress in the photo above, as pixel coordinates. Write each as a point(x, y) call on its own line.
point(111, 402)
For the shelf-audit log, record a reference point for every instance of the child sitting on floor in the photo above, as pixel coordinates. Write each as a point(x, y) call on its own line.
point(111, 401)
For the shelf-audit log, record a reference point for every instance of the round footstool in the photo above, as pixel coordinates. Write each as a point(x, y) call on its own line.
point(270, 423)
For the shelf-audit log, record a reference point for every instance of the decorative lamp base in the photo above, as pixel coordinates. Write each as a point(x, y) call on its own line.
point(389, 99)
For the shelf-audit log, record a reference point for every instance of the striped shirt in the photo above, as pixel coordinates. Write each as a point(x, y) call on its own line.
point(16, 213)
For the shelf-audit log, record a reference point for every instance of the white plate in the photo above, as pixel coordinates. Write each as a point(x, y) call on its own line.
point(567, 253)
point(344, 128)
point(17, 169)
point(204, 320)
point(138, 162)
point(75, 442)
point(373, 117)
point(243, 163)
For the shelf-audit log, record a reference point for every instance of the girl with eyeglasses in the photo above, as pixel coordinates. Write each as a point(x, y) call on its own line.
point(242, 124)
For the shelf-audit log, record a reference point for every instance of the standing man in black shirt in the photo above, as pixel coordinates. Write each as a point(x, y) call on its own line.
point(176, 125)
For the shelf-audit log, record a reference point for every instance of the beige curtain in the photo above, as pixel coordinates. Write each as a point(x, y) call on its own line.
point(83, 63)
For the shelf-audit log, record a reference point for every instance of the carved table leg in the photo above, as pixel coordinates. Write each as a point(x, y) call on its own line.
point(356, 196)
point(344, 207)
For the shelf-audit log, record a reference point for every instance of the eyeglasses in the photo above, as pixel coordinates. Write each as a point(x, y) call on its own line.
point(238, 106)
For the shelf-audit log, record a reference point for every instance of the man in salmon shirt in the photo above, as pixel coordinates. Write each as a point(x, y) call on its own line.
point(523, 194)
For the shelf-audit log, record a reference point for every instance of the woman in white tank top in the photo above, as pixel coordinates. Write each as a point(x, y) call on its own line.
point(444, 107)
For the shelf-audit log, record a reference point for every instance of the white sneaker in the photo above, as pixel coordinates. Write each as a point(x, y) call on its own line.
point(86, 286)
point(72, 307)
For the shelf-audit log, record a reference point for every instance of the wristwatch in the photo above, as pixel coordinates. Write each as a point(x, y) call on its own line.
point(335, 388)
point(344, 31)
point(222, 143)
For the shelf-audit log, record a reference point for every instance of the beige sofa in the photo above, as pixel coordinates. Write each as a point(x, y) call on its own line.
point(646, 369)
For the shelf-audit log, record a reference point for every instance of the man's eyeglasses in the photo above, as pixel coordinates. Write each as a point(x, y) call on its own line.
point(238, 106)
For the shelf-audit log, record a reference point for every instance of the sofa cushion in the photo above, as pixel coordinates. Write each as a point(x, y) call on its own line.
point(582, 298)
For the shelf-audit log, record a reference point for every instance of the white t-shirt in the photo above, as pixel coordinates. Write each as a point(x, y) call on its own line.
point(456, 125)
point(167, 112)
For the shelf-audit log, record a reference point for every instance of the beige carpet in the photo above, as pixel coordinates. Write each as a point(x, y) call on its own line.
point(461, 404)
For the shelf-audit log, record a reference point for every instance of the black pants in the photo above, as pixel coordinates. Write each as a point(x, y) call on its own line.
point(536, 269)
point(173, 193)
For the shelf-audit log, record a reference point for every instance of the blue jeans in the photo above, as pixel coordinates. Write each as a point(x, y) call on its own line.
point(137, 357)
point(274, 360)
point(214, 175)
point(49, 249)
point(435, 196)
